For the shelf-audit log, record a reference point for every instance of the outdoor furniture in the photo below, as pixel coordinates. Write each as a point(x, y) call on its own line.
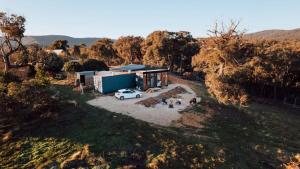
point(171, 104)
point(193, 101)
point(178, 102)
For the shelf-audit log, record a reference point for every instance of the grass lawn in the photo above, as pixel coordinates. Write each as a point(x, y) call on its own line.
point(258, 136)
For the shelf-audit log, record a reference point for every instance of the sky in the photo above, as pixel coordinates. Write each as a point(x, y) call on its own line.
point(115, 18)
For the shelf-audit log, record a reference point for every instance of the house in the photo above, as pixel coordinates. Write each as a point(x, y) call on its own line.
point(130, 76)
point(85, 78)
point(56, 51)
point(110, 81)
point(151, 78)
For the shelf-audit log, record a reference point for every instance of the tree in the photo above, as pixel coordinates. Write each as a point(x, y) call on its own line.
point(59, 44)
point(94, 65)
point(12, 28)
point(80, 52)
point(185, 46)
point(129, 48)
point(76, 51)
point(221, 58)
point(33, 53)
point(103, 50)
point(72, 67)
point(157, 48)
point(169, 49)
point(52, 63)
point(237, 68)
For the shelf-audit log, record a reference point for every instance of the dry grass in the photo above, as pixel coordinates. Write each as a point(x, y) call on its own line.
point(259, 136)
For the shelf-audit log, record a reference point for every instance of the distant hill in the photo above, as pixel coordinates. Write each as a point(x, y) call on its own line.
point(276, 34)
point(46, 40)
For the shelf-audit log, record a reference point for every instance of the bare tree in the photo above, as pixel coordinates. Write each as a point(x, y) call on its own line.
point(12, 28)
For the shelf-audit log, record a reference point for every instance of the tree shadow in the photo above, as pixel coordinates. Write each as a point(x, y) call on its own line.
point(252, 137)
point(120, 139)
point(247, 138)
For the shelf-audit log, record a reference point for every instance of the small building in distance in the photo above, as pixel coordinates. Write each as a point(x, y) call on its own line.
point(56, 51)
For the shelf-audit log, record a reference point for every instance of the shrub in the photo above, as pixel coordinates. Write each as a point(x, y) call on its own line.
point(41, 78)
point(2, 87)
point(53, 63)
point(26, 102)
point(94, 65)
point(8, 77)
point(13, 89)
point(72, 67)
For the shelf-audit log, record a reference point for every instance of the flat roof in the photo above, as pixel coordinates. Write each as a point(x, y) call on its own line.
point(86, 72)
point(111, 73)
point(153, 70)
point(129, 67)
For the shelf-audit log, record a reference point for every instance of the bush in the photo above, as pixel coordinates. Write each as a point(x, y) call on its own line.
point(53, 63)
point(8, 77)
point(25, 102)
point(13, 89)
point(2, 87)
point(94, 65)
point(41, 78)
point(72, 67)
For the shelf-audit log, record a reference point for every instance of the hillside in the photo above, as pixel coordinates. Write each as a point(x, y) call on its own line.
point(276, 34)
point(45, 40)
point(48, 39)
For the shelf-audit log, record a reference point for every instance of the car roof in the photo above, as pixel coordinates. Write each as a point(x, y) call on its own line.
point(123, 90)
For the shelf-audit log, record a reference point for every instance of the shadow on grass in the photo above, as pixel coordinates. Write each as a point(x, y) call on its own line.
point(248, 138)
point(254, 137)
point(119, 139)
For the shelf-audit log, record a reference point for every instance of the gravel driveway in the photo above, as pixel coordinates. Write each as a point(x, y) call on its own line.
point(158, 114)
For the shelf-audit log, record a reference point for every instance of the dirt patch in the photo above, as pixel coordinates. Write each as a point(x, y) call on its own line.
point(194, 85)
point(190, 120)
point(191, 117)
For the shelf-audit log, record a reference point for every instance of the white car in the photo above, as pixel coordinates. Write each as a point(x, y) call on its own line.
point(127, 94)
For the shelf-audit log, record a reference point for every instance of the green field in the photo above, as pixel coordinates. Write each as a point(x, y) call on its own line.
point(258, 136)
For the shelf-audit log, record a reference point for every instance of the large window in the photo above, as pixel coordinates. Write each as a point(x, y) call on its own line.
point(159, 76)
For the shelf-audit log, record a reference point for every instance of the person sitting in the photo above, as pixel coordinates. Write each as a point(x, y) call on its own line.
point(164, 101)
point(193, 101)
point(171, 104)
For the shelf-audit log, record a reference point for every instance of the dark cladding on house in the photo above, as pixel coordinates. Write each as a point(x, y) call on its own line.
point(129, 76)
point(151, 78)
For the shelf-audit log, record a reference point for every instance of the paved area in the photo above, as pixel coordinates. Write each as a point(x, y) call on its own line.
point(158, 114)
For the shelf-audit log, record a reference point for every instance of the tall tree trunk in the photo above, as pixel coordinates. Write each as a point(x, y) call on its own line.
point(171, 61)
point(5, 61)
point(181, 60)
